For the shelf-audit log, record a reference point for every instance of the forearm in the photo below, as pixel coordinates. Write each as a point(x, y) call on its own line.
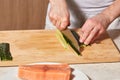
point(58, 3)
point(59, 14)
point(113, 11)
point(55, 2)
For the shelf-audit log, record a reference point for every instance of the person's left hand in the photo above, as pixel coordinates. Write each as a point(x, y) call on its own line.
point(93, 28)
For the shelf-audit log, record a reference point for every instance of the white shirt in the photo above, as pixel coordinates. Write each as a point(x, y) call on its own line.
point(80, 10)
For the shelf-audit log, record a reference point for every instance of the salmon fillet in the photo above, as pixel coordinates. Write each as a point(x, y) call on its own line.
point(44, 72)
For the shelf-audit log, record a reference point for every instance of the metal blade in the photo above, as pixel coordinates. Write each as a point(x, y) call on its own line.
point(72, 39)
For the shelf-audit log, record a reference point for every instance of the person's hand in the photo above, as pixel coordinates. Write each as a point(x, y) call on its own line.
point(59, 14)
point(93, 28)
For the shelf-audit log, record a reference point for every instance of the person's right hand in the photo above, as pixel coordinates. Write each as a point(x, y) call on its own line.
point(59, 14)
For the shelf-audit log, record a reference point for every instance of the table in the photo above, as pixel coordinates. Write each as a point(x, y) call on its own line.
point(96, 71)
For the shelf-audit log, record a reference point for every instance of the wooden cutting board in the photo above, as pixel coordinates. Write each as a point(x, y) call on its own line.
point(33, 46)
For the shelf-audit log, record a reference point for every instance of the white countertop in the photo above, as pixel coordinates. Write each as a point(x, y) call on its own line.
point(97, 71)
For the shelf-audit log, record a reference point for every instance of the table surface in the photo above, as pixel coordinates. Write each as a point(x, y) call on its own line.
point(98, 71)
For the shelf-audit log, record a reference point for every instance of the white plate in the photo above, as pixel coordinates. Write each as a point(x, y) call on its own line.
point(10, 73)
point(78, 75)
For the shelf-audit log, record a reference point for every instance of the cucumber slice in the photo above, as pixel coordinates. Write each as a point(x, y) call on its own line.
point(5, 54)
point(61, 38)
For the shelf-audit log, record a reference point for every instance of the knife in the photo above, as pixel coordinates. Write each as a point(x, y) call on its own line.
point(71, 38)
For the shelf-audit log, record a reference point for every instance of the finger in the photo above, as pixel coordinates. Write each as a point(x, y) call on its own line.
point(97, 36)
point(86, 29)
point(64, 25)
point(88, 26)
point(53, 19)
point(92, 34)
point(85, 34)
point(58, 23)
point(54, 22)
point(92, 41)
point(80, 33)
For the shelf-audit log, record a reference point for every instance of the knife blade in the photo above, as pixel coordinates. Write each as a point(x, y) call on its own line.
point(72, 39)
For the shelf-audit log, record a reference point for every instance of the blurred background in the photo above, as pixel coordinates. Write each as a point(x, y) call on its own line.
point(22, 14)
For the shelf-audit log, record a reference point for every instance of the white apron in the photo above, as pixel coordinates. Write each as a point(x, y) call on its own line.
point(80, 10)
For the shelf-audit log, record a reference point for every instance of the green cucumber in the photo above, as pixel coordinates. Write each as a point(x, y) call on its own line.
point(5, 54)
point(61, 38)
point(66, 41)
point(71, 44)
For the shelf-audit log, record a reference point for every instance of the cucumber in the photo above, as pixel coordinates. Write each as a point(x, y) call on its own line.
point(66, 41)
point(61, 38)
point(72, 45)
point(5, 54)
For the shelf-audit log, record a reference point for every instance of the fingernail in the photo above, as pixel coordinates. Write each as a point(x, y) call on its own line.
point(86, 43)
point(81, 40)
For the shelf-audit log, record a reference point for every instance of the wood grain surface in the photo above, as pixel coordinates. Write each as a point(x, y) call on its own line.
point(33, 46)
point(22, 14)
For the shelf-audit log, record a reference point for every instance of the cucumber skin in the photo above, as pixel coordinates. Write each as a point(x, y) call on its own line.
point(5, 54)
